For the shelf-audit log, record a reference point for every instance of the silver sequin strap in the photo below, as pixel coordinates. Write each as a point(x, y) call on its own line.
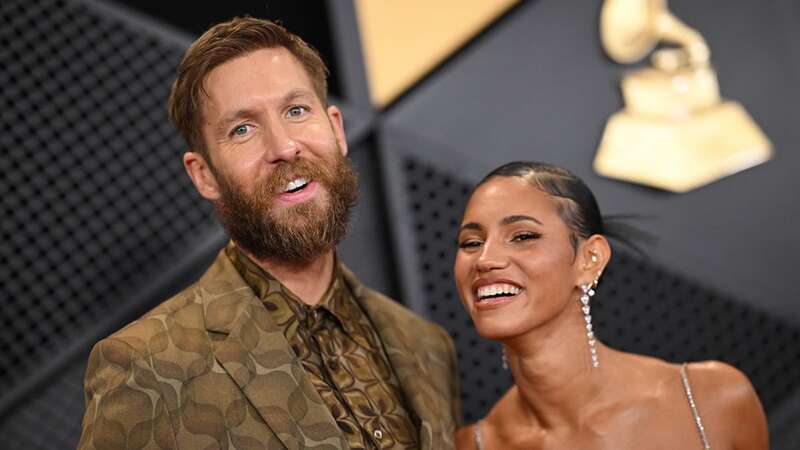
point(478, 438)
point(697, 420)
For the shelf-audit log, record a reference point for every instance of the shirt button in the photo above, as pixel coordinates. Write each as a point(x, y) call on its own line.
point(378, 434)
point(333, 365)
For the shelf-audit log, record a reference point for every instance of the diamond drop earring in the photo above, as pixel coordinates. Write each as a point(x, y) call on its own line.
point(505, 359)
point(588, 292)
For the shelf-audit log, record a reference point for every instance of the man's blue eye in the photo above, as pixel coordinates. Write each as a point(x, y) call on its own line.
point(241, 130)
point(295, 111)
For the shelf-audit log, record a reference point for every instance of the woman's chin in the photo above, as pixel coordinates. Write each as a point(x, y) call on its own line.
point(503, 320)
point(496, 330)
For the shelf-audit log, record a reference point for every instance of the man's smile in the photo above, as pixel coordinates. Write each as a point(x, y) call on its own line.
point(298, 190)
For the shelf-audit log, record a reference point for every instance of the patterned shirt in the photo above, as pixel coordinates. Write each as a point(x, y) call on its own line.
point(342, 353)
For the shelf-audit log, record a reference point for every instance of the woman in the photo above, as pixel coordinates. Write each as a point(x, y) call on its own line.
point(532, 249)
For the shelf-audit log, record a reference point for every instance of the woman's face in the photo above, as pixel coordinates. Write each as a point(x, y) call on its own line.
point(515, 268)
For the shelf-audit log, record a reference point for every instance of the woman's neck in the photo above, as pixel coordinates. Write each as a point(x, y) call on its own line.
point(556, 384)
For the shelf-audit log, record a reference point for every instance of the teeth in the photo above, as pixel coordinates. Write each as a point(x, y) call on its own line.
point(496, 289)
point(295, 184)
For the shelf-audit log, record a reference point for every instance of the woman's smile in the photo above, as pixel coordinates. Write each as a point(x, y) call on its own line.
point(494, 293)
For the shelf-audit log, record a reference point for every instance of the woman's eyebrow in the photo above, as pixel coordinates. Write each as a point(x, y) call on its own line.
point(517, 218)
point(470, 226)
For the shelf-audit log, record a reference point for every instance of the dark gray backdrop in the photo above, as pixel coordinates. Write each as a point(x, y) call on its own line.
point(100, 223)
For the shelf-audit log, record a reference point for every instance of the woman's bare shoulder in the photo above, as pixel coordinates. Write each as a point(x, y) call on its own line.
point(726, 385)
point(725, 398)
point(725, 395)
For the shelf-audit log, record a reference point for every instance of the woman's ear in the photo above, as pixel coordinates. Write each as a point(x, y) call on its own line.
point(593, 257)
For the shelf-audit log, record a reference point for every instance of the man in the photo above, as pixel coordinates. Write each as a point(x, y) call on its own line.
point(278, 345)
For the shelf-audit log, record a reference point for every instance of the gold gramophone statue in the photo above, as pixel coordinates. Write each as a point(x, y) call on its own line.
point(675, 132)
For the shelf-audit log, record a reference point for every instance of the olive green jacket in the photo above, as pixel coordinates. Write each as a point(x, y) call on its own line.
point(209, 369)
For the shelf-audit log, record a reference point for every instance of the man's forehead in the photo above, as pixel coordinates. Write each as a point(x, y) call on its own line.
point(273, 71)
point(270, 63)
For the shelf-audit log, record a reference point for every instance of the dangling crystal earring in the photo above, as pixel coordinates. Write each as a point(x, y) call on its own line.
point(588, 292)
point(505, 359)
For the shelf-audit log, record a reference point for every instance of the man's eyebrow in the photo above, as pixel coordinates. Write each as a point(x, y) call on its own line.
point(222, 128)
point(517, 218)
point(295, 94)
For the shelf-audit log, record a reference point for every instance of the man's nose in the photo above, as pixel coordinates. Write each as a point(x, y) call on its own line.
point(279, 144)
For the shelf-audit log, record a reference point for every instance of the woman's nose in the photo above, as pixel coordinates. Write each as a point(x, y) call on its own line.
point(490, 259)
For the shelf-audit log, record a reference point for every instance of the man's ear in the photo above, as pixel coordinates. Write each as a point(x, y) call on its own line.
point(337, 123)
point(200, 172)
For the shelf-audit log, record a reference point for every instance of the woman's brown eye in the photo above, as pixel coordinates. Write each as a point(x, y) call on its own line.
point(527, 236)
point(469, 244)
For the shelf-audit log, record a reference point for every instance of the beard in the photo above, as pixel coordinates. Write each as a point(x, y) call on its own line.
point(294, 234)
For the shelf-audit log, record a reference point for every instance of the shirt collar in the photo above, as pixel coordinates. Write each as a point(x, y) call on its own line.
point(337, 300)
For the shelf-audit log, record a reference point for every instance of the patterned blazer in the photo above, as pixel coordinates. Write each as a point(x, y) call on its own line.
point(209, 369)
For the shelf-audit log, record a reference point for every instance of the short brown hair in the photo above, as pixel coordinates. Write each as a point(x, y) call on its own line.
point(221, 43)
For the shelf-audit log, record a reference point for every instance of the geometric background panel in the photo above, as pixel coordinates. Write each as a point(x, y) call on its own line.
point(403, 41)
point(53, 419)
point(94, 200)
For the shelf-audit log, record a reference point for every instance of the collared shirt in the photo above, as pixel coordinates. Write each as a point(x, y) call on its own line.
point(342, 354)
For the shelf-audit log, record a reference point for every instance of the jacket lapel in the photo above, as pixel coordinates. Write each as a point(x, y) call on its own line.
point(259, 359)
point(423, 377)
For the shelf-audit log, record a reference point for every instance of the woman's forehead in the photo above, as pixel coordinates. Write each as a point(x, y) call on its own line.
point(508, 188)
point(510, 195)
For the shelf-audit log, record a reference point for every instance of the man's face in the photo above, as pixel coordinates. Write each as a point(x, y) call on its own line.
point(278, 175)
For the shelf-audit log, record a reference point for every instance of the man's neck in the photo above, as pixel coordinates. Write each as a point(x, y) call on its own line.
point(308, 280)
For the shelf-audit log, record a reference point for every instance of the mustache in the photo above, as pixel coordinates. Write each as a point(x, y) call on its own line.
point(274, 184)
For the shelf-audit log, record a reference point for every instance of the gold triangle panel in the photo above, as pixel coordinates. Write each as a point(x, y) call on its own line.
point(404, 40)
